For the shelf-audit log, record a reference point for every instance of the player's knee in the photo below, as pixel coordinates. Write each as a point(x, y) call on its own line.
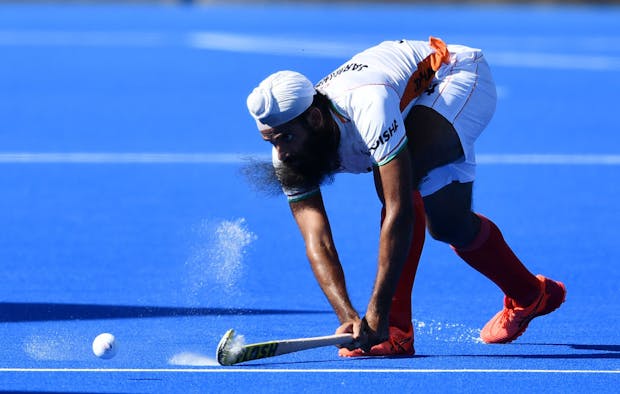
point(454, 231)
point(442, 232)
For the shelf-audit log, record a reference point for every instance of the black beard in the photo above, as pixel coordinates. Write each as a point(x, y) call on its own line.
point(315, 167)
point(261, 176)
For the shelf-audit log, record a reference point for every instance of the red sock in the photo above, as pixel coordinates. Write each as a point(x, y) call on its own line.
point(400, 310)
point(491, 256)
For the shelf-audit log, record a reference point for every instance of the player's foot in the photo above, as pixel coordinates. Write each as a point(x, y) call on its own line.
point(508, 324)
point(399, 344)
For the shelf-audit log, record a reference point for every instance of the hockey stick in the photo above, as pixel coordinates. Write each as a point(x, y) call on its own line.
point(230, 353)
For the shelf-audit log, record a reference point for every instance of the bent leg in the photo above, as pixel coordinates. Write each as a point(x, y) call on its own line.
point(478, 241)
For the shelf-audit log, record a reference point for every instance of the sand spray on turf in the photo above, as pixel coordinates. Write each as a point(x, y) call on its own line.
point(216, 263)
point(215, 268)
point(447, 332)
point(192, 359)
point(55, 346)
point(200, 360)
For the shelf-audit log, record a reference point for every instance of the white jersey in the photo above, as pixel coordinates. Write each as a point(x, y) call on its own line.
point(370, 95)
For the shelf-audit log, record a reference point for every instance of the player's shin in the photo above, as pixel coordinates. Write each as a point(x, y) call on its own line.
point(490, 255)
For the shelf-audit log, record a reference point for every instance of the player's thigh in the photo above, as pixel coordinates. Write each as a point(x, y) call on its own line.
point(433, 141)
point(449, 215)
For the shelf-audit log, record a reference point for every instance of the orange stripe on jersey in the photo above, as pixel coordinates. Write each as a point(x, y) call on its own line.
point(338, 114)
point(422, 77)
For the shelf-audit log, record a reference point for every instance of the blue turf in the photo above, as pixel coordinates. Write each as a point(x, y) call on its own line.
point(133, 248)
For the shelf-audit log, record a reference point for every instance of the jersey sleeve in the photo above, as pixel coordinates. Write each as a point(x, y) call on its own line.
point(379, 121)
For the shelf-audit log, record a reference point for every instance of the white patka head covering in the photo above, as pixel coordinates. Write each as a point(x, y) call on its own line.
point(279, 98)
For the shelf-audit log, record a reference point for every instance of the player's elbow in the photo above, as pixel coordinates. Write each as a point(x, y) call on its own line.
point(400, 218)
point(320, 251)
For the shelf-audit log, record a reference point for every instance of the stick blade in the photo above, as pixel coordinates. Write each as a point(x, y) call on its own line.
point(222, 353)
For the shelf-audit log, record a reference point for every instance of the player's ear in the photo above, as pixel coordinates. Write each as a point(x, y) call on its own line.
point(314, 117)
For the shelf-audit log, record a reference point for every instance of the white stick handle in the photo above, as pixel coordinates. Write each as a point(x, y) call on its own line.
point(296, 345)
point(226, 355)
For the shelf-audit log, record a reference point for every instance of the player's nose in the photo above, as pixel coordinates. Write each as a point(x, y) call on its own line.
point(283, 154)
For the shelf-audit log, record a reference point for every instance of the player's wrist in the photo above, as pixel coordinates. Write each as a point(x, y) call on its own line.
point(379, 308)
point(348, 316)
point(377, 321)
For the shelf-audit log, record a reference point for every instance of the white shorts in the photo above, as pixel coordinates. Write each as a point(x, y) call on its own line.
point(465, 95)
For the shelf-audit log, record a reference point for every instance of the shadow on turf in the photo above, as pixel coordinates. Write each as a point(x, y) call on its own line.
point(610, 351)
point(600, 352)
point(572, 356)
point(256, 364)
point(51, 392)
point(13, 312)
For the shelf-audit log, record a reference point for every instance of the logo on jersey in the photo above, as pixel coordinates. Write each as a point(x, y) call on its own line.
point(343, 69)
point(385, 136)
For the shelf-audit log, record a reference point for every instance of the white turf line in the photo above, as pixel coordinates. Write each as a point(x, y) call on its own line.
point(311, 47)
point(271, 45)
point(301, 371)
point(236, 158)
point(123, 158)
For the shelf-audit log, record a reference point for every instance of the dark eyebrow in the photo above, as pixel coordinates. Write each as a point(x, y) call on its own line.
point(274, 132)
point(269, 134)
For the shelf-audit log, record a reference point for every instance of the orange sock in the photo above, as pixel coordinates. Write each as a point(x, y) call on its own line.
point(491, 256)
point(400, 311)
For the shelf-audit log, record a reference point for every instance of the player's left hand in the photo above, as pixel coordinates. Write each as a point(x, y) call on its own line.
point(364, 336)
point(371, 333)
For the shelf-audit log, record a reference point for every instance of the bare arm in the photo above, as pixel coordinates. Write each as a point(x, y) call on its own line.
point(394, 184)
point(312, 220)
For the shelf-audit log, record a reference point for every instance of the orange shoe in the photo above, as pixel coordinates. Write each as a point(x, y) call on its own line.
point(509, 323)
point(399, 344)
